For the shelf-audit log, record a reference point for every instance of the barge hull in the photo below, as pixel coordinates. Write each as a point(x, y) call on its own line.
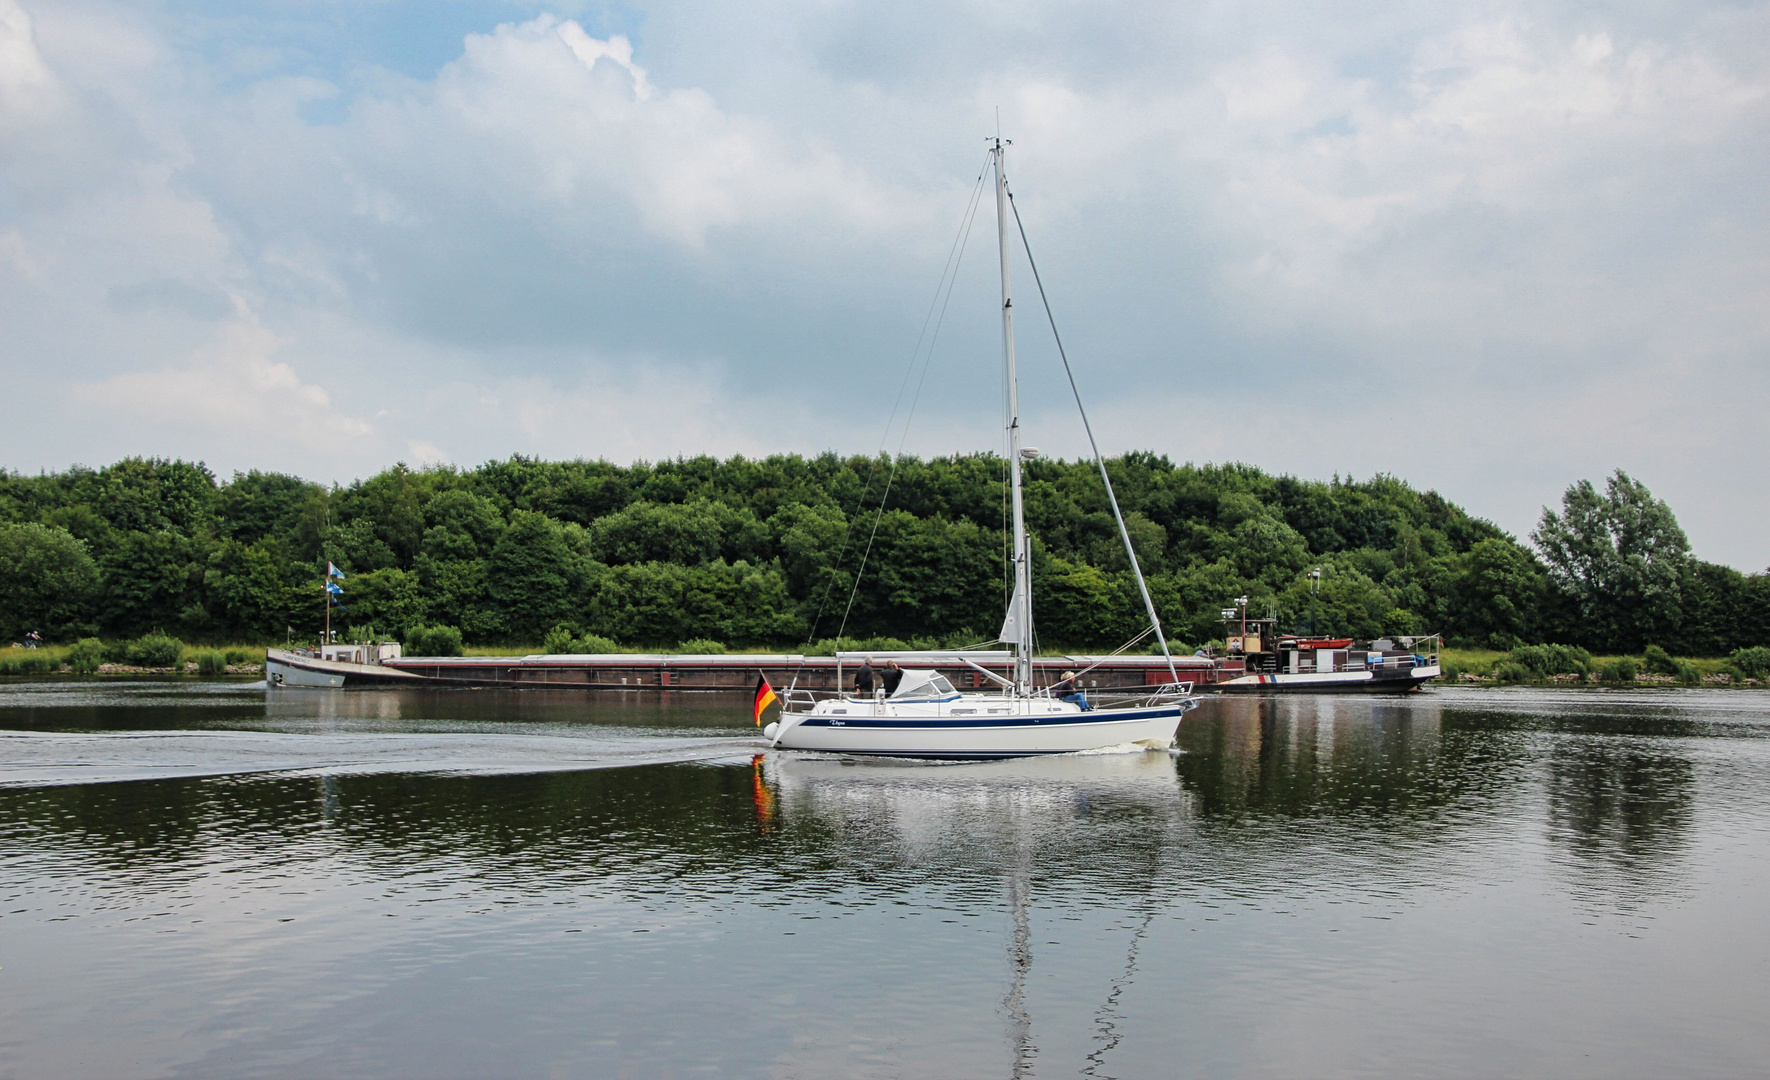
point(291, 669)
point(1338, 682)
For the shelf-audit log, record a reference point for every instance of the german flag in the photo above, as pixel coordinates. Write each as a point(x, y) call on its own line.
point(764, 696)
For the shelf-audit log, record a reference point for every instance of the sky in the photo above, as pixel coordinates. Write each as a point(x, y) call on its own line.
point(1489, 248)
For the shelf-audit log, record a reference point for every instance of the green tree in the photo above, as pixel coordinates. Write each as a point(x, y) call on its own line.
point(687, 534)
point(537, 574)
point(664, 603)
point(927, 577)
point(392, 503)
point(151, 494)
point(47, 581)
point(390, 600)
point(1621, 558)
point(357, 547)
point(810, 540)
point(1081, 606)
point(1497, 597)
point(254, 506)
point(251, 593)
point(147, 579)
point(461, 525)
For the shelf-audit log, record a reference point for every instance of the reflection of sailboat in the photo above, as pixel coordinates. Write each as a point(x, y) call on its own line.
point(926, 716)
point(1029, 811)
point(1020, 958)
point(1026, 790)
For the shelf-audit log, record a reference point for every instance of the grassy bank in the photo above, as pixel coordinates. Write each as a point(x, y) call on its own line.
point(1561, 665)
point(156, 654)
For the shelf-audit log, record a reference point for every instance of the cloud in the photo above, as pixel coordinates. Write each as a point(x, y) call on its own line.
point(236, 387)
point(22, 71)
point(564, 126)
point(1481, 198)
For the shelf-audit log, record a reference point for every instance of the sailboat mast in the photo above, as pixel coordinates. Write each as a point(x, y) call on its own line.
point(1021, 610)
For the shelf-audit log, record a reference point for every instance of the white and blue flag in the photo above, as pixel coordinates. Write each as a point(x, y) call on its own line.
point(334, 572)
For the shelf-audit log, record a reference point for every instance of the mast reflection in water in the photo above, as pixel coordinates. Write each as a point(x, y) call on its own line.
point(1457, 883)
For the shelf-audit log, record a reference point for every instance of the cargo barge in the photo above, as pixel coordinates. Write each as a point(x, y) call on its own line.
point(1256, 663)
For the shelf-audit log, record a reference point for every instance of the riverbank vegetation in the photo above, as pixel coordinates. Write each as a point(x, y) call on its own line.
point(1563, 665)
point(763, 554)
point(158, 653)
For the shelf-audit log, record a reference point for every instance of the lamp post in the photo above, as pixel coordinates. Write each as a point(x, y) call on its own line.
point(1314, 584)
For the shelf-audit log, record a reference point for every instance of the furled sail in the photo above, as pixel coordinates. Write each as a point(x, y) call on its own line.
point(1012, 631)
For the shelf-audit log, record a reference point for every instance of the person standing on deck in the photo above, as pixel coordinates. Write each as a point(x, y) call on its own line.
point(863, 679)
point(891, 676)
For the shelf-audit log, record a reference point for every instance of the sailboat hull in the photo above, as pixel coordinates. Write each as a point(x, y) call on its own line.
point(983, 737)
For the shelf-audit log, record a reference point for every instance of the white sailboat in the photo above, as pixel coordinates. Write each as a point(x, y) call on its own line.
point(926, 716)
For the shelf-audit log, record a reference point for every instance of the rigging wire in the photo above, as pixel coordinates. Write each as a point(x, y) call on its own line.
point(927, 361)
point(948, 273)
point(1124, 533)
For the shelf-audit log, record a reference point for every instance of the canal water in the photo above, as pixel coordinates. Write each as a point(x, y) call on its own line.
point(219, 880)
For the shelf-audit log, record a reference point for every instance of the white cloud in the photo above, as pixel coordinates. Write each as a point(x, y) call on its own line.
point(234, 388)
point(1482, 198)
point(548, 112)
point(22, 71)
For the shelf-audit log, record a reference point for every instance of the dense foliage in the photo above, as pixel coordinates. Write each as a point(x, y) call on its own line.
point(764, 553)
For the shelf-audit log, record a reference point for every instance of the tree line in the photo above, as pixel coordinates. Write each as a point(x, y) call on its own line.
point(766, 553)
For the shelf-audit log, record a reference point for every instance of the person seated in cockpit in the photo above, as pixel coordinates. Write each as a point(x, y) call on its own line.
point(1067, 690)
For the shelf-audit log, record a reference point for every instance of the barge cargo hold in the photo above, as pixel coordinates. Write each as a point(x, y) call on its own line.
point(737, 671)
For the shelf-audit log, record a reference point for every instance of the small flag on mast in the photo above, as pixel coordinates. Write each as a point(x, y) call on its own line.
point(333, 571)
point(764, 696)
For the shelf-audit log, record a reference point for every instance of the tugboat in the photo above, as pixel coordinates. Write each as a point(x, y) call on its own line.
point(1258, 659)
point(337, 665)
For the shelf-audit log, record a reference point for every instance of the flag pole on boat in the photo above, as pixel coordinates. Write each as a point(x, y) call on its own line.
point(332, 593)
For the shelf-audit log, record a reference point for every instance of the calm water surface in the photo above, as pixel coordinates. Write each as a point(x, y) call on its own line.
point(217, 880)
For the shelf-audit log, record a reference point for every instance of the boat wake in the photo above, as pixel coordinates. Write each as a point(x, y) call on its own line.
point(1121, 748)
point(38, 759)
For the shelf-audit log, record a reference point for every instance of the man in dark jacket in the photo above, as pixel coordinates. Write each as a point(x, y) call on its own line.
point(891, 676)
point(863, 679)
